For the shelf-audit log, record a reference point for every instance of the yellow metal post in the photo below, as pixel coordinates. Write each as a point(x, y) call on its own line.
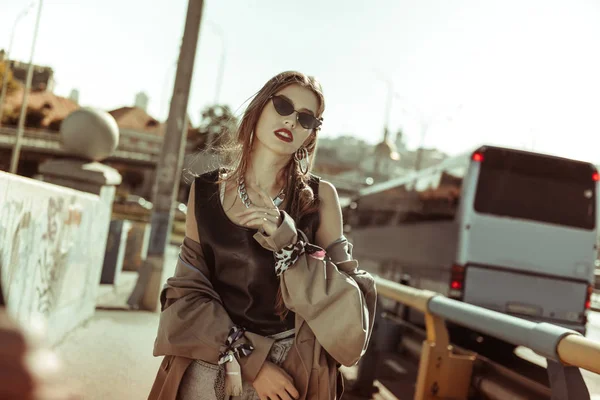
point(442, 374)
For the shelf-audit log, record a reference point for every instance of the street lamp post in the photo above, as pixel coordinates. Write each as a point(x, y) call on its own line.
point(425, 126)
point(21, 15)
point(388, 103)
point(424, 129)
point(14, 161)
point(388, 108)
point(217, 29)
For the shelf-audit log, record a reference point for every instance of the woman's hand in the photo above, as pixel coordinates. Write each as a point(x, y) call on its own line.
point(264, 216)
point(272, 382)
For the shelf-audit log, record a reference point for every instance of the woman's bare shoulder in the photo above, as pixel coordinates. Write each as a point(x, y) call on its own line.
point(191, 226)
point(330, 213)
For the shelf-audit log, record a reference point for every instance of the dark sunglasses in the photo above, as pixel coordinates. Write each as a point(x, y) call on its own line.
point(285, 107)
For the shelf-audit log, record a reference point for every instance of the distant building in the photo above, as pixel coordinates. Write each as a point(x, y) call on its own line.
point(383, 162)
point(141, 101)
point(429, 158)
point(350, 163)
point(138, 120)
point(337, 160)
point(42, 79)
point(54, 108)
point(400, 142)
point(74, 96)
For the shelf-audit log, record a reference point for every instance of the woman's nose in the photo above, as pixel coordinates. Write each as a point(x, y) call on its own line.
point(290, 120)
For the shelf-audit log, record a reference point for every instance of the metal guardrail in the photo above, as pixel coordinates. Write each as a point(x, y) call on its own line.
point(446, 375)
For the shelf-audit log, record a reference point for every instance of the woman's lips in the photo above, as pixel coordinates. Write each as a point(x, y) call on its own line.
point(284, 135)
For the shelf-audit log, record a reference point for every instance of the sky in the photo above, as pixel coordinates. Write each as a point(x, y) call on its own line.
point(519, 73)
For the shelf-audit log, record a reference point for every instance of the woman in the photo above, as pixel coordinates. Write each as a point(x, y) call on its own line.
point(256, 308)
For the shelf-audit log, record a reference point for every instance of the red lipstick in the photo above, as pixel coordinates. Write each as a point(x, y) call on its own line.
point(284, 135)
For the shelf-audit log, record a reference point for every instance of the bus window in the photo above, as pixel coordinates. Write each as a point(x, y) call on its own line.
point(546, 189)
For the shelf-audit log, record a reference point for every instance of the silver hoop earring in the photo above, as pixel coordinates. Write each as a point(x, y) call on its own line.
point(301, 157)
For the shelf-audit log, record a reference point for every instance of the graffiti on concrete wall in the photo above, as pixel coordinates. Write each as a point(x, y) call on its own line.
point(53, 242)
point(52, 260)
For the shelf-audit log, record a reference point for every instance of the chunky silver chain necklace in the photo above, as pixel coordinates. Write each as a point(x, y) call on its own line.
point(246, 199)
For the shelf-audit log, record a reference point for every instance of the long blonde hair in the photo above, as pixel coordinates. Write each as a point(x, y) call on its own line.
point(234, 155)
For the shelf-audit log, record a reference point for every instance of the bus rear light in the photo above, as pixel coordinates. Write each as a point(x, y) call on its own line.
point(477, 157)
point(457, 280)
point(588, 297)
point(596, 176)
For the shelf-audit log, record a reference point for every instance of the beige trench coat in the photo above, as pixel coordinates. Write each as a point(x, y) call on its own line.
point(333, 300)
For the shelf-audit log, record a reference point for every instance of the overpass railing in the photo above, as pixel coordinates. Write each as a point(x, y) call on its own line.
point(133, 146)
point(445, 374)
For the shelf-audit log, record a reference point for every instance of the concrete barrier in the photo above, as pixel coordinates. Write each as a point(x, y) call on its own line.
point(52, 243)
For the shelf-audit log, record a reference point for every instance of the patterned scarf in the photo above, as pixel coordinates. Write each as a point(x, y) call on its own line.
point(229, 380)
point(287, 256)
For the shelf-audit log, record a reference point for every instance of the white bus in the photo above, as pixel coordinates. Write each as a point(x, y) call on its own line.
point(508, 230)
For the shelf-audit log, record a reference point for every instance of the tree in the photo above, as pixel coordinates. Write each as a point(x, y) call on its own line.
point(34, 117)
point(217, 124)
point(9, 116)
point(12, 83)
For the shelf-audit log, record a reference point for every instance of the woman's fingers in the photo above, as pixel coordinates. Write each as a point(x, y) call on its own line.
point(253, 210)
point(263, 223)
point(291, 389)
point(266, 216)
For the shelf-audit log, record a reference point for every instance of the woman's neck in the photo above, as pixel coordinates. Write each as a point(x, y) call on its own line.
point(264, 170)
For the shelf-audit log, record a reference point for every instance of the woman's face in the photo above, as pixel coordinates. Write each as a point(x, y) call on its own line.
point(283, 134)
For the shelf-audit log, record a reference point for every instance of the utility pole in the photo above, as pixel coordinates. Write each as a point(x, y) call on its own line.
point(217, 29)
point(147, 289)
point(418, 159)
point(14, 161)
point(8, 54)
